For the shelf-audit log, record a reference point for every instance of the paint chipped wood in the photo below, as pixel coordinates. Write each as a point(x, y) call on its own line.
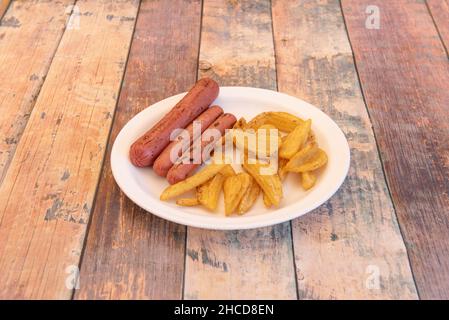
point(48, 190)
point(237, 49)
point(405, 86)
point(350, 247)
point(27, 45)
point(131, 253)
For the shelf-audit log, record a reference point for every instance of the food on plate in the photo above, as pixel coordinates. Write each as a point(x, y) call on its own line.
point(308, 180)
point(270, 183)
point(192, 182)
point(187, 164)
point(144, 151)
point(249, 198)
point(284, 121)
point(182, 142)
point(234, 189)
point(272, 145)
point(295, 140)
point(209, 192)
point(187, 202)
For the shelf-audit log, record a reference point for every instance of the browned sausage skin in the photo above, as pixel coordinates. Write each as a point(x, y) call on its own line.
point(145, 150)
point(166, 160)
point(181, 171)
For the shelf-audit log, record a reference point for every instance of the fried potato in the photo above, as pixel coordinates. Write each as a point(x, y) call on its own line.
point(270, 184)
point(284, 121)
point(258, 143)
point(316, 162)
point(208, 172)
point(228, 171)
point(187, 202)
point(302, 156)
point(295, 140)
point(249, 198)
point(282, 172)
point(266, 201)
point(209, 192)
point(234, 189)
point(240, 124)
point(308, 180)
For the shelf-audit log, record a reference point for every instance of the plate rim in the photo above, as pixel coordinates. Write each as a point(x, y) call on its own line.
point(228, 223)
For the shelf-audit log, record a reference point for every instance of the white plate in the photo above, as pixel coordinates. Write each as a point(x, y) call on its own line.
point(143, 186)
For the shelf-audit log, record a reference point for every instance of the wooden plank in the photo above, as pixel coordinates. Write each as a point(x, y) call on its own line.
point(405, 82)
point(341, 247)
point(47, 193)
point(439, 10)
point(129, 252)
point(237, 49)
point(27, 45)
point(3, 7)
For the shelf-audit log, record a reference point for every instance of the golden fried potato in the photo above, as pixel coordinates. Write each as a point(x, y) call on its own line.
point(187, 202)
point(316, 162)
point(308, 180)
point(282, 172)
point(302, 156)
point(270, 184)
point(284, 121)
point(249, 198)
point(235, 188)
point(209, 192)
point(208, 172)
point(240, 124)
point(228, 171)
point(266, 201)
point(295, 140)
point(258, 143)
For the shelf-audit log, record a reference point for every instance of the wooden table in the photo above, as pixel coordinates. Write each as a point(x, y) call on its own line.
point(72, 73)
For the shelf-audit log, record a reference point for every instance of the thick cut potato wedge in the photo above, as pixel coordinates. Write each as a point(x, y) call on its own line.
point(249, 198)
point(209, 192)
point(270, 184)
point(187, 202)
point(228, 171)
point(284, 121)
point(282, 172)
point(266, 201)
point(208, 172)
point(295, 140)
point(316, 162)
point(234, 189)
point(240, 124)
point(258, 144)
point(308, 180)
point(302, 156)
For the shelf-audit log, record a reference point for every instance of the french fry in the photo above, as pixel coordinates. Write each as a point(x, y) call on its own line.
point(192, 182)
point(308, 180)
point(251, 143)
point(284, 121)
point(228, 171)
point(240, 124)
point(282, 172)
point(266, 201)
point(249, 198)
point(302, 156)
point(295, 140)
point(187, 202)
point(209, 192)
point(316, 162)
point(270, 184)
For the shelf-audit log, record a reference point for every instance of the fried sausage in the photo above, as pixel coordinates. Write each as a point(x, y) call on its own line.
point(145, 150)
point(181, 170)
point(166, 160)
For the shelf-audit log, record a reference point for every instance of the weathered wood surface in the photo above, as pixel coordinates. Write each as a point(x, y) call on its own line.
point(48, 190)
point(237, 49)
point(340, 247)
point(404, 72)
point(439, 10)
point(131, 253)
point(3, 7)
point(27, 45)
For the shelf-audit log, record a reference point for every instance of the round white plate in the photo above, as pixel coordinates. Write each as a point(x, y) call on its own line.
point(143, 186)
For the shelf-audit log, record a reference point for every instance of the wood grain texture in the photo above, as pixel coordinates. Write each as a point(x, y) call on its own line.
point(439, 9)
point(129, 252)
point(3, 7)
point(405, 80)
point(341, 246)
point(237, 49)
point(27, 44)
point(47, 193)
